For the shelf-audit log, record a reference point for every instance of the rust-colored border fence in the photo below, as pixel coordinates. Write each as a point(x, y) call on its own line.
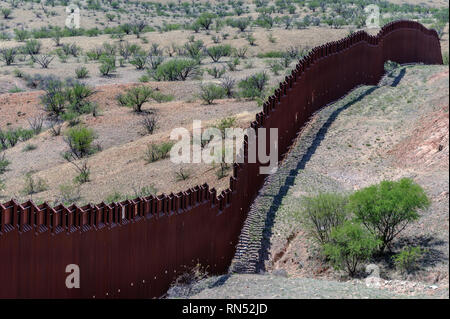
point(136, 248)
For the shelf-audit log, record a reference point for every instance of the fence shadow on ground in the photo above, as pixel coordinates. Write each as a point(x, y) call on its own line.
point(290, 179)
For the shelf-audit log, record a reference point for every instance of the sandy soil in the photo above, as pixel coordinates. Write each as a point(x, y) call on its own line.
point(120, 165)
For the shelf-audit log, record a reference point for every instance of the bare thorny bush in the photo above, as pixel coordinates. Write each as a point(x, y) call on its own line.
point(149, 123)
point(36, 123)
point(189, 277)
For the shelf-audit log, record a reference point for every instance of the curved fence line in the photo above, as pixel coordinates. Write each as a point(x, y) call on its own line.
point(136, 248)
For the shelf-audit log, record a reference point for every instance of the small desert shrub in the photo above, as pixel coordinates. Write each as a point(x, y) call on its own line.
point(210, 92)
point(32, 47)
point(135, 97)
point(29, 147)
point(349, 246)
point(149, 123)
point(228, 84)
point(11, 137)
point(232, 65)
point(156, 152)
point(3, 163)
point(139, 61)
point(387, 208)
point(161, 97)
point(176, 70)
point(6, 12)
point(54, 99)
point(193, 49)
point(154, 61)
point(84, 172)
point(36, 123)
point(33, 186)
point(322, 213)
point(182, 174)
point(445, 58)
point(43, 60)
point(107, 66)
point(81, 72)
point(408, 259)
point(68, 194)
point(251, 39)
point(18, 73)
point(8, 55)
point(21, 35)
point(76, 96)
point(205, 20)
point(253, 86)
point(79, 139)
point(71, 49)
point(219, 51)
point(216, 72)
point(390, 66)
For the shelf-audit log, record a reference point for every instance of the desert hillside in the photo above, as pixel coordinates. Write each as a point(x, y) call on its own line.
point(399, 128)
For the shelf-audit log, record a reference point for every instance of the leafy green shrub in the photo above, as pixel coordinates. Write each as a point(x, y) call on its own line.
point(407, 260)
point(79, 139)
point(193, 50)
point(251, 39)
point(6, 12)
point(76, 96)
point(218, 51)
point(8, 55)
point(210, 92)
point(387, 208)
point(135, 97)
point(11, 137)
point(176, 70)
point(156, 152)
point(241, 23)
point(54, 99)
point(139, 61)
point(349, 246)
point(205, 20)
point(216, 72)
point(81, 72)
point(253, 86)
point(322, 213)
point(107, 66)
point(162, 98)
point(21, 35)
point(32, 47)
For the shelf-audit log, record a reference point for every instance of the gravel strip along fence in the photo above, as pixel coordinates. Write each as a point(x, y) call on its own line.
point(254, 242)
